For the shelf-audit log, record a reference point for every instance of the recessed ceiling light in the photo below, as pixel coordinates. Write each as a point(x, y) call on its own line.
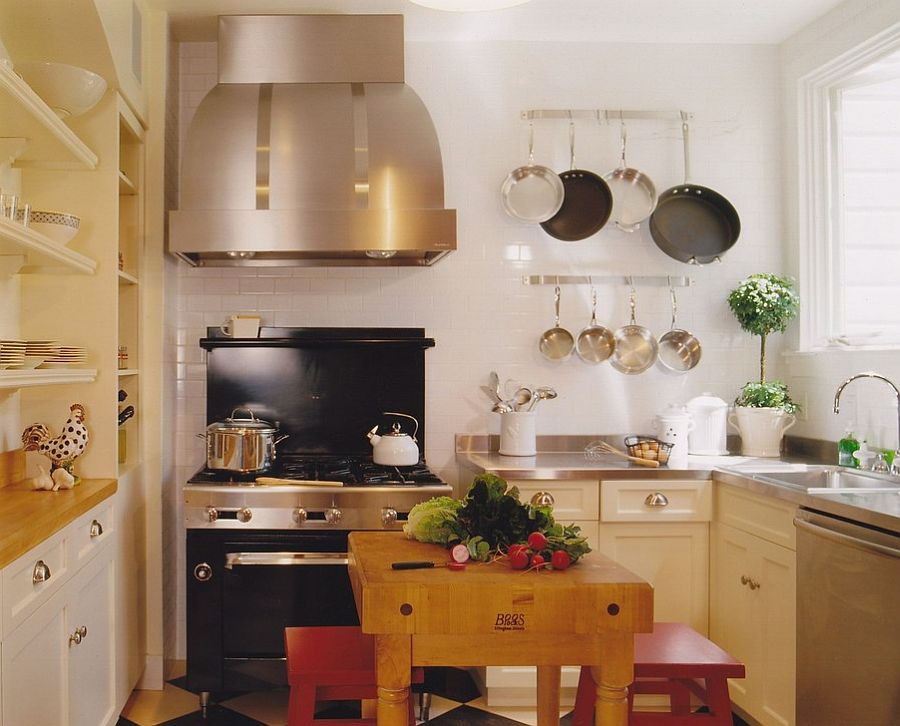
point(468, 5)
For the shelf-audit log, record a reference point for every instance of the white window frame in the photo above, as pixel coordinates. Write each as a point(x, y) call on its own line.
point(819, 198)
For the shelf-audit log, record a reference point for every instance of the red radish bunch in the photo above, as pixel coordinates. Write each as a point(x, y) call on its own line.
point(539, 553)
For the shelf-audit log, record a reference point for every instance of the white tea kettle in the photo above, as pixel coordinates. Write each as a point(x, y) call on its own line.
point(395, 448)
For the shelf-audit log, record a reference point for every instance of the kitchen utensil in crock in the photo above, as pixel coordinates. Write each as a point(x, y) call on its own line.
point(636, 348)
point(557, 343)
point(587, 202)
point(634, 193)
point(532, 193)
point(596, 448)
point(243, 445)
point(679, 350)
point(494, 383)
point(395, 448)
point(522, 398)
point(543, 393)
point(596, 342)
point(694, 224)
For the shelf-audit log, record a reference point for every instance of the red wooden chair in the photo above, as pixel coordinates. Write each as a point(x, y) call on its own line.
point(331, 663)
point(676, 660)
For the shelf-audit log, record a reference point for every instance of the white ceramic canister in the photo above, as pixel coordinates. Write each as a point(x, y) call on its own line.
point(517, 433)
point(673, 426)
point(710, 416)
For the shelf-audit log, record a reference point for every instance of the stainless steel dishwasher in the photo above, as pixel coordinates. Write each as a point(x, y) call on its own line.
point(848, 623)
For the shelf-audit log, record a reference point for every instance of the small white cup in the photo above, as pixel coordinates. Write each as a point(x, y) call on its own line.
point(241, 326)
point(517, 433)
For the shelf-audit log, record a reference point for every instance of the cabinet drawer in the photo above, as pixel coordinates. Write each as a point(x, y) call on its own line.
point(766, 517)
point(91, 531)
point(572, 499)
point(23, 592)
point(649, 500)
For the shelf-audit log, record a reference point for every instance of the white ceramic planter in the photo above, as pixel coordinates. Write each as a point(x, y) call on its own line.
point(761, 429)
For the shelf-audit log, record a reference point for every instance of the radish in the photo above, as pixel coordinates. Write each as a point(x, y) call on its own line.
point(537, 561)
point(537, 541)
point(518, 560)
point(560, 560)
point(459, 553)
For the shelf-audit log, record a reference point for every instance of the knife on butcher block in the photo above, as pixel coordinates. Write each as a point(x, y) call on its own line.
point(271, 481)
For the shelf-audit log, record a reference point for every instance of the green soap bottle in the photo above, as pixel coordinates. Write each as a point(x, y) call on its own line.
point(846, 446)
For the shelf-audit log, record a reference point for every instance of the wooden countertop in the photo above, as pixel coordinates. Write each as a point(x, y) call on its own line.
point(27, 516)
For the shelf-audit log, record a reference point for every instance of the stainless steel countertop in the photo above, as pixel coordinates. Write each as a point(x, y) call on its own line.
point(877, 509)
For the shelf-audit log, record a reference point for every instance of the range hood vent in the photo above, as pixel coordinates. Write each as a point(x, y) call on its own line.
point(311, 150)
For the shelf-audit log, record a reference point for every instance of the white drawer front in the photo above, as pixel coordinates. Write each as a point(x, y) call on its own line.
point(91, 531)
point(22, 592)
point(572, 500)
point(649, 500)
point(766, 517)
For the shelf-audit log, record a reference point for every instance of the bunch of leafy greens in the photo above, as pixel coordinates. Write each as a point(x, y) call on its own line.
point(434, 521)
point(488, 520)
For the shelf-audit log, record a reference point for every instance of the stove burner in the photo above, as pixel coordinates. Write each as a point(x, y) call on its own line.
point(351, 471)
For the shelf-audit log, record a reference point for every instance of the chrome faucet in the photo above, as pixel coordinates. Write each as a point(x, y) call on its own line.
point(869, 374)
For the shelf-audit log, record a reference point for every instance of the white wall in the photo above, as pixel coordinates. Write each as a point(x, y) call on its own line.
point(814, 377)
point(473, 303)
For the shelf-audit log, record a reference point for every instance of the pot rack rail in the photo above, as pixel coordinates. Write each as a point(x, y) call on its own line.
point(605, 115)
point(627, 280)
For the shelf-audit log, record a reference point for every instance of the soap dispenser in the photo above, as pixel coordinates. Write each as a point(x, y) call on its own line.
point(846, 446)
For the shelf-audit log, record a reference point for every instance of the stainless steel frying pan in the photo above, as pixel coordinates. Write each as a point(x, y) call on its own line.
point(679, 350)
point(636, 348)
point(634, 193)
point(532, 193)
point(557, 343)
point(596, 342)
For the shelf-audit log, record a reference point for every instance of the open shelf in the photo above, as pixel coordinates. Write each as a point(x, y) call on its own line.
point(126, 186)
point(126, 278)
point(51, 144)
point(41, 254)
point(45, 377)
point(125, 372)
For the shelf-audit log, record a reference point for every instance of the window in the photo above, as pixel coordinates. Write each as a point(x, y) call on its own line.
point(850, 266)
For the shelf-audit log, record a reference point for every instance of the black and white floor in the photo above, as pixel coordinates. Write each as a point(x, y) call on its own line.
point(455, 701)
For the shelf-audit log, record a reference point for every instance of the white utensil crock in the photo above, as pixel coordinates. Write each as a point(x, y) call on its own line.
point(674, 427)
point(710, 416)
point(242, 326)
point(517, 433)
point(761, 429)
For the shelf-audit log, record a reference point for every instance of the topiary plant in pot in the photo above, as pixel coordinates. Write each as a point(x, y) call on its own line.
point(763, 304)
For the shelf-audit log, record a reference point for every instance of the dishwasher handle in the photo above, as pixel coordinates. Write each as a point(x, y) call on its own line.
point(292, 559)
point(846, 539)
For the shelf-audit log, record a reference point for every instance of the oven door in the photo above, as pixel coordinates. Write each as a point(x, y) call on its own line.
point(267, 581)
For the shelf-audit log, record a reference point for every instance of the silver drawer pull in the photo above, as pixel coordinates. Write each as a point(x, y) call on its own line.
point(96, 528)
point(656, 499)
point(41, 572)
point(543, 499)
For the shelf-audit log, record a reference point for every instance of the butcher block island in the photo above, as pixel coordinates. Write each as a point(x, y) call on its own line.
point(489, 614)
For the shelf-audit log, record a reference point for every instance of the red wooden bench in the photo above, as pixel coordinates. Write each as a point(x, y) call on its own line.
point(331, 663)
point(676, 660)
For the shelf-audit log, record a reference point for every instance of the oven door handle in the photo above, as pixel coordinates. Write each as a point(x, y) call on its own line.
point(293, 559)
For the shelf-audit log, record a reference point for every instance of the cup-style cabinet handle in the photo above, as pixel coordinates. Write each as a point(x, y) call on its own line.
point(40, 573)
point(96, 529)
point(656, 499)
point(543, 499)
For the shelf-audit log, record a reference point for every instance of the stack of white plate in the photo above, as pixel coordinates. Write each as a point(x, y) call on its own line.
point(68, 355)
point(41, 348)
point(12, 353)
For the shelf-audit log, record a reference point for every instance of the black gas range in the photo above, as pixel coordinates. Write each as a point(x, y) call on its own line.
point(269, 550)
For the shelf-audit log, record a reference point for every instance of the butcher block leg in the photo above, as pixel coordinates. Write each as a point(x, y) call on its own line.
point(613, 678)
point(548, 695)
point(393, 655)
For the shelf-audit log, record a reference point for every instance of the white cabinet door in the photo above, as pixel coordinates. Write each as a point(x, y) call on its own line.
point(673, 557)
point(91, 673)
point(34, 668)
point(753, 617)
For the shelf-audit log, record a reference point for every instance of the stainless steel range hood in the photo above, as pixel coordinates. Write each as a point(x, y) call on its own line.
point(311, 150)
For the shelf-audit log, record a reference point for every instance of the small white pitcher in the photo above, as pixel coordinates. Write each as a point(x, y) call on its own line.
point(761, 429)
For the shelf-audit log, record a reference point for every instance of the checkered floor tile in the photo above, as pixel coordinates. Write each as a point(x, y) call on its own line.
point(455, 702)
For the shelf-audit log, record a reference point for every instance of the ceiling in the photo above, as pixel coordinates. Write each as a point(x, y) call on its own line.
point(622, 21)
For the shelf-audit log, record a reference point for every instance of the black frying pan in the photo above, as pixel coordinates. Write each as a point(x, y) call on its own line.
point(587, 203)
point(694, 224)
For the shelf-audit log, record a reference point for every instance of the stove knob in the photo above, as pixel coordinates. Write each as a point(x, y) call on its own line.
point(333, 515)
point(244, 514)
point(299, 515)
point(212, 514)
point(388, 516)
point(203, 572)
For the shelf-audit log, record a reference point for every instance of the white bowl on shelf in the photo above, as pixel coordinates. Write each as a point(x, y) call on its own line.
point(68, 90)
point(61, 227)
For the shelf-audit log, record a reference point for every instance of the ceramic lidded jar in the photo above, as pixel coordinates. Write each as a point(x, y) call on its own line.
point(673, 425)
point(709, 414)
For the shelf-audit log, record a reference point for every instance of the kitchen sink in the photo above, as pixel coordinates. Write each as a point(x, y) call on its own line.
point(832, 478)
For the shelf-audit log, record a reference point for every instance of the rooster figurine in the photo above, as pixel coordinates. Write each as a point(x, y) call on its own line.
point(62, 450)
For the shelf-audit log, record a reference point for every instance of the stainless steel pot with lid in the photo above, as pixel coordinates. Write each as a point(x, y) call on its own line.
point(243, 445)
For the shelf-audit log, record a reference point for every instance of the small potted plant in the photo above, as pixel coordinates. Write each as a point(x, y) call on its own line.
point(763, 304)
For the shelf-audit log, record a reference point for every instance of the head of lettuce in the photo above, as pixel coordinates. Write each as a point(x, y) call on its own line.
point(435, 521)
